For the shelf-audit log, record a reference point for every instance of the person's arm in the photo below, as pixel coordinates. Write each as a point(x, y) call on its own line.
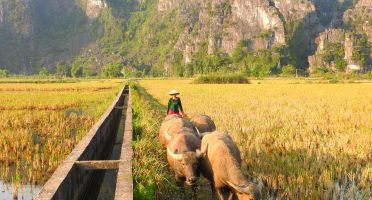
point(180, 105)
point(169, 104)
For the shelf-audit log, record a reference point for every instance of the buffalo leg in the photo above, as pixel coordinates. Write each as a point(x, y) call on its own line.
point(180, 182)
point(214, 197)
point(183, 192)
point(220, 194)
point(194, 196)
point(231, 196)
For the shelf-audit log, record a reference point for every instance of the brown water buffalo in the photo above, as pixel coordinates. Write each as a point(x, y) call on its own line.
point(221, 166)
point(169, 117)
point(171, 127)
point(183, 156)
point(203, 123)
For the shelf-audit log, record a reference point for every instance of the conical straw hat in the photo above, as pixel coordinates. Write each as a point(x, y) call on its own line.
point(173, 92)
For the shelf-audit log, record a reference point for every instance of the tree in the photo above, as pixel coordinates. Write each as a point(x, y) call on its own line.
point(285, 54)
point(89, 72)
point(288, 70)
point(198, 59)
point(112, 70)
point(76, 70)
point(4, 73)
point(157, 69)
point(362, 50)
point(209, 63)
point(127, 71)
point(334, 55)
point(238, 54)
point(262, 63)
point(240, 51)
point(43, 72)
point(63, 70)
point(189, 70)
point(177, 64)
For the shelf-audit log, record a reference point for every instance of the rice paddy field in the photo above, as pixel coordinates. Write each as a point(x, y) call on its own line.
point(300, 140)
point(41, 122)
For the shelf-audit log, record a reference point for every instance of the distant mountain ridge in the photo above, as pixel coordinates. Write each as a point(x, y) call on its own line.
point(35, 33)
point(178, 37)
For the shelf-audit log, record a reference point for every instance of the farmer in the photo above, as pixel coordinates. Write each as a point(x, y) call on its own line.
point(174, 104)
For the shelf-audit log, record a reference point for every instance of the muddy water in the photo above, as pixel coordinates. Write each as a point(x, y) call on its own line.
point(24, 192)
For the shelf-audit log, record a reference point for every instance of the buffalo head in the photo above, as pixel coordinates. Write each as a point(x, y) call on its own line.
point(188, 164)
point(246, 192)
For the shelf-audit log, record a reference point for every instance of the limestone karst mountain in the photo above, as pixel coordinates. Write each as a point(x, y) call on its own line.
point(181, 37)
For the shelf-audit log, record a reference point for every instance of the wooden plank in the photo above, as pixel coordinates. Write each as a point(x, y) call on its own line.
point(98, 164)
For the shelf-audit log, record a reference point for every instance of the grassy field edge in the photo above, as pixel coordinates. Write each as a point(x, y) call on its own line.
point(152, 177)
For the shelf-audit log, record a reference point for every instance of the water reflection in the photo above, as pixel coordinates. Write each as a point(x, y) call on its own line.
point(24, 192)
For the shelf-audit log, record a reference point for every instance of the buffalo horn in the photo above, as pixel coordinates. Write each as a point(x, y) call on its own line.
point(201, 153)
point(175, 156)
point(197, 130)
point(240, 189)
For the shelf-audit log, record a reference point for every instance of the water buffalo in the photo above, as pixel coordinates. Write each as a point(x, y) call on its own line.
point(171, 127)
point(170, 117)
point(203, 123)
point(221, 166)
point(183, 156)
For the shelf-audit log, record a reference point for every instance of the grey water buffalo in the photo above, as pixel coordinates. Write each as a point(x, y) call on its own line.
point(203, 123)
point(183, 156)
point(169, 128)
point(221, 166)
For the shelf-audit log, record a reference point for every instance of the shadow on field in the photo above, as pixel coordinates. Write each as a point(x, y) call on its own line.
point(155, 104)
point(303, 174)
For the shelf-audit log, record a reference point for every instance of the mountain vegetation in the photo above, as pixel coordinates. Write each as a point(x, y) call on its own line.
point(182, 38)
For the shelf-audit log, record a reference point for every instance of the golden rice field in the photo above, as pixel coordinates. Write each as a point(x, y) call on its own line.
point(41, 123)
point(301, 141)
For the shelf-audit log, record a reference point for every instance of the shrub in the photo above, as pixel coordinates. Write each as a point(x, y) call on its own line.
point(112, 70)
point(361, 50)
point(4, 73)
point(334, 55)
point(43, 72)
point(289, 70)
point(333, 80)
point(221, 79)
point(63, 70)
point(76, 70)
point(89, 72)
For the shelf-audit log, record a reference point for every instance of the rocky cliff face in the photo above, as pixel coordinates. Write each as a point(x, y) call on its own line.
point(324, 41)
point(361, 17)
point(36, 33)
point(294, 10)
point(16, 15)
point(330, 36)
point(308, 27)
point(356, 21)
point(43, 32)
point(222, 24)
point(1, 14)
point(263, 24)
point(167, 5)
point(93, 8)
point(256, 21)
point(15, 33)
